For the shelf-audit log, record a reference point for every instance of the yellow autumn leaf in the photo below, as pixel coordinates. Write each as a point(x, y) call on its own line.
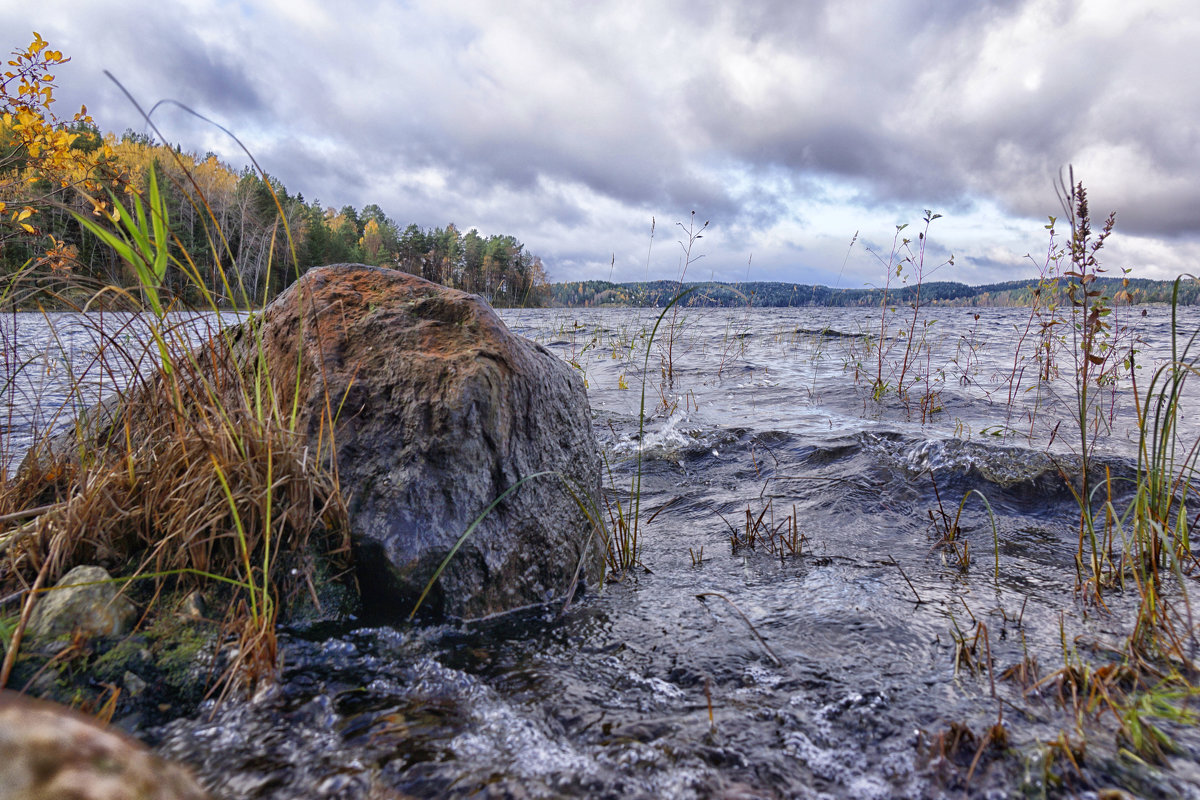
point(28, 228)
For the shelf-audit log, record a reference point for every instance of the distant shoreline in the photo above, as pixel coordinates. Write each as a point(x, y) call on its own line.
point(591, 294)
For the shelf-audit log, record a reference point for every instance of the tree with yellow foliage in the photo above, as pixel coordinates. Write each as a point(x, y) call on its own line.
point(371, 241)
point(40, 154)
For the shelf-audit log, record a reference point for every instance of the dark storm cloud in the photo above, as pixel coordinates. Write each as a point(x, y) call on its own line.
point(924, 107)
point(216, 82)
point(154, 52)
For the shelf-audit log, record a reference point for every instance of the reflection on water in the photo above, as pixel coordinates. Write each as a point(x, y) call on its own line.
point(764, 417)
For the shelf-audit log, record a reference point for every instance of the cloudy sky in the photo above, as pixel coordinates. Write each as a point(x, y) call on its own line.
point(789, 125)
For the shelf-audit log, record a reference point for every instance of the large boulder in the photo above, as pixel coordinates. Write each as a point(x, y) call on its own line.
point(439, 410)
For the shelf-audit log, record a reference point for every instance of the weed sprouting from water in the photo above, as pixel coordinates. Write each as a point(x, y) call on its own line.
point(625, 523)
point(781, 538)
point(1092, 349)
point(949, 531)
point(898, 380)
point(687, 245)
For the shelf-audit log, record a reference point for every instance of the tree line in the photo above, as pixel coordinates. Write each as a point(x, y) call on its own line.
point(935, 293)
point(246, 233)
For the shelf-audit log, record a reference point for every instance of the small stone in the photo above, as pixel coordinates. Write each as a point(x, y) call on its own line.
point(193, 606)
point(87, 600)
point(133, 684)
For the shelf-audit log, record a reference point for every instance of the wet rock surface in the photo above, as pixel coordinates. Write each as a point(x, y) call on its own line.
point(440, 410)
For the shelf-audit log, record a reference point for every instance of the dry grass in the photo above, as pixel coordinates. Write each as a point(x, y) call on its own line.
point(193, 476)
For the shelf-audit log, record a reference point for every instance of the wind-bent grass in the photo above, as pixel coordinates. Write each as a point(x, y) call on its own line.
point(1165, 473)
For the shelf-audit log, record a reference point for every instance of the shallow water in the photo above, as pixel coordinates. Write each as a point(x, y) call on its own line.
point(660, 686)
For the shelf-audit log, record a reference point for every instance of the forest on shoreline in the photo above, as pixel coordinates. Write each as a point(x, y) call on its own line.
point(1023, 293)
point(245, 232)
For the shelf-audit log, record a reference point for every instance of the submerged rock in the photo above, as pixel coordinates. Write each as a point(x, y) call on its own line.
point(440, 410)
point(86, 600)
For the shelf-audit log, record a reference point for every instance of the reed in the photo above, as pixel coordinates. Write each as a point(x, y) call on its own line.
point(690, 235)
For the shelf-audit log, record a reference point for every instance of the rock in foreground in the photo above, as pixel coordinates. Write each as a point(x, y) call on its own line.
point(48, 751)
point(439, 410)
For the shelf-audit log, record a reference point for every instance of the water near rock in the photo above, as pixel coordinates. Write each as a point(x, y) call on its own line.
point(648, 691)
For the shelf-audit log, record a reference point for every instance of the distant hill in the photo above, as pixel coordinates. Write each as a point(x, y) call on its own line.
point(578, 294)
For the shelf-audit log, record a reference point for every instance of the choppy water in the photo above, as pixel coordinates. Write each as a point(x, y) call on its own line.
point(853, 678)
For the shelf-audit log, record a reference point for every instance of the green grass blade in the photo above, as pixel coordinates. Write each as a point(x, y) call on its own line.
point(467, 535)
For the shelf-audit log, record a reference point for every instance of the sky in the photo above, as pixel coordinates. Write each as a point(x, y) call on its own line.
point(803, 133)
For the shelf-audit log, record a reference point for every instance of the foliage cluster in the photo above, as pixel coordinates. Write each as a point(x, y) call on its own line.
point(42, 156)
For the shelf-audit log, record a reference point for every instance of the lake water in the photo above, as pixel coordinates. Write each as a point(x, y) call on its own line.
point(725, 669)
